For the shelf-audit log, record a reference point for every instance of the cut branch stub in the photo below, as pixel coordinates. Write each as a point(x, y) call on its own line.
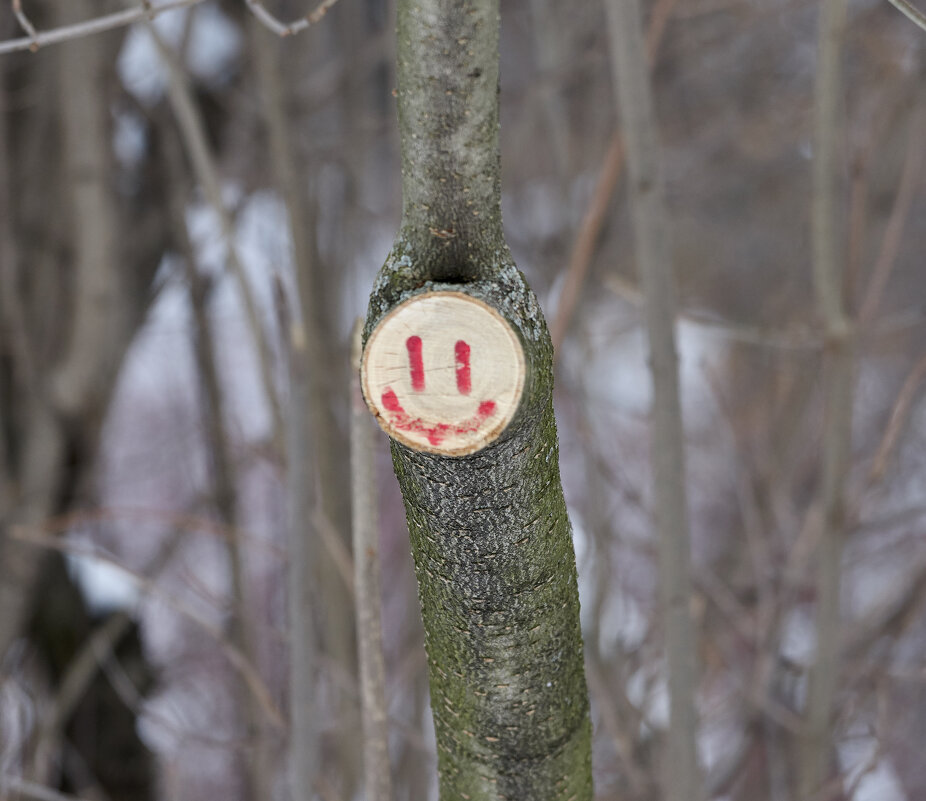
point(443, 373)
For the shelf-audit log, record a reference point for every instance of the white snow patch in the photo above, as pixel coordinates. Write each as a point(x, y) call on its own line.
point(622, 622)
point(214, 45)
point(651, 695)
point(719, 742)
point(129, 138)
point(206, 234)
point(881, 784)
point(620, 368)
point(105, 586)
point(17, 723)
point(799, 639)
point(160, 357)
point(264, 245)
point(878, 782)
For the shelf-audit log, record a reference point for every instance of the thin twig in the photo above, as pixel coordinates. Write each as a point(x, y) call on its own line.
point(910, 12)
point(106, 22)
point(615, 728)
point(147, 11)
point(224, 478)
point(735, 332)
point(195, 142)
point(799, 339)
point(267, 19)
point(100, 645)
point(189, 522)
point(586, 239)
point(584, 247)
point(23, 20)
point(898, 417)
point(365, 527)
point(283, 29)
point(337, 550)
point(238, 660)
point(828, 229)
point(78, 676)
point(890, 242)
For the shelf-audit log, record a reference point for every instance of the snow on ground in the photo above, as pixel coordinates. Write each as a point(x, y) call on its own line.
point(213, 46)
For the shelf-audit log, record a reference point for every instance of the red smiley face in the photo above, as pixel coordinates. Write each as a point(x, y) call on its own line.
point(443, 373)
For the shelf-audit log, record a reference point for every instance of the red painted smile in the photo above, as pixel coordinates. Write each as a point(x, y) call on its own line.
point(436, 432)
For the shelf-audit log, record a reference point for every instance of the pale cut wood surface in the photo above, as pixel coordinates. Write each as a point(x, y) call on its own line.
point(443, 373)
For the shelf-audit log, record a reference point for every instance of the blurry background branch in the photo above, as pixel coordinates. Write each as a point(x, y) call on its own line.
point(37, 39)
point(148, 10)
point(367, 589)
point(653, 248)
point(189, 121)
point(586, 238)
point(238, 659)
point(817, 780)
point(910, 11)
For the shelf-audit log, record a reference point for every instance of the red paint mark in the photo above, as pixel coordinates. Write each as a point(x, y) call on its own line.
point(464, 377)
point(415, 363)
point(391, 402)
point(435, 433)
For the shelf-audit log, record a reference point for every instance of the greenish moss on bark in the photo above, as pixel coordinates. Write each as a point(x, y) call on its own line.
point(489, 532)
point(448, 118)
point(497, 583)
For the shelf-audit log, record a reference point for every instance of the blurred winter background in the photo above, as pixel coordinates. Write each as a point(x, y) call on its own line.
point(158, 186)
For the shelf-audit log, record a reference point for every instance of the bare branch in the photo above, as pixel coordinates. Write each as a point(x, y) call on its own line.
point(23, 20)
point(890, 242)
point(80, 673)
point(587, 237)
point(226, 502)
point(683, 781)
point(910, 12)
point(147, 11)
point(283, 29)
point(828, 266)
point(195, 142)
point(119, 19)
point(377, 777)
point(798, 339)
point(898, 419)
point(234, 655)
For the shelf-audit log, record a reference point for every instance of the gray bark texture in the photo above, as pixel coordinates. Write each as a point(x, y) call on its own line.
point(489, 532)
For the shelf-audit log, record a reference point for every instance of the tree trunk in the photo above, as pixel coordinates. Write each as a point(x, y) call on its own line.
point(489, 531)
point(817, 751)
point(681, 773)
point(377, 776)
point(316, 477)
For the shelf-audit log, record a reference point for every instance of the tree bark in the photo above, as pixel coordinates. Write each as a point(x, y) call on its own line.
point(489, 531)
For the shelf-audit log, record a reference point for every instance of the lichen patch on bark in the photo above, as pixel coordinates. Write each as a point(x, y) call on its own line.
point(489, 532)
